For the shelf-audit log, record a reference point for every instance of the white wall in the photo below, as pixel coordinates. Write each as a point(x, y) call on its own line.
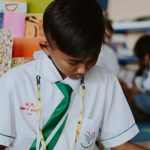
point(128, 9)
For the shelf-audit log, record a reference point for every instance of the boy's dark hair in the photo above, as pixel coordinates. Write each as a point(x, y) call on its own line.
point(142, 46)
point(76, 26)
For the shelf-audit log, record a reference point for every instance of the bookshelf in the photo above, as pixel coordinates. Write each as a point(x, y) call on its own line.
point(131, 26)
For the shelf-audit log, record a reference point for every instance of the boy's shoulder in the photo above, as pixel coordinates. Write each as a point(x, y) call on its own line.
point(99, 71)
point(29, 67)
point(20, 71)
point(100, 74)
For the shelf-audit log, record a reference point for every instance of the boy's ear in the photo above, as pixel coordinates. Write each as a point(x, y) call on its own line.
point(147, 58)
point(45, 47)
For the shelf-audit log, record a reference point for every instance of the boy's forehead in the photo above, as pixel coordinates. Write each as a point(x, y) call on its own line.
point(81, 59)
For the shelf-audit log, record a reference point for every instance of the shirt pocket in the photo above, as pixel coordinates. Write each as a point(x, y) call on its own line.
point(88, 134)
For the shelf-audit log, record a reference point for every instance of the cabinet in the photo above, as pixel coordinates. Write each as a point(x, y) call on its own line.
point(131, 30)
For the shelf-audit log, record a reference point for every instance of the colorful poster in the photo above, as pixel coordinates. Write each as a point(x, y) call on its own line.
point(34, 25)
point(19, 6)
point(6, 42)
point(14, 22)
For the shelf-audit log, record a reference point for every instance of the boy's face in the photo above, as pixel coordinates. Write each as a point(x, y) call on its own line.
point(69, 66)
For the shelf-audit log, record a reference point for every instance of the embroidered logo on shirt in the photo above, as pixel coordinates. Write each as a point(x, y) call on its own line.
point(89, 139)
point(29, 108)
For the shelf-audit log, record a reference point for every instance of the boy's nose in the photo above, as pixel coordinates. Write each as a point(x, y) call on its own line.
point(81, 69)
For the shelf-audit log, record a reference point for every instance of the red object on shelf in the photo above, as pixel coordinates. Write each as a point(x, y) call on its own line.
point(25, 47)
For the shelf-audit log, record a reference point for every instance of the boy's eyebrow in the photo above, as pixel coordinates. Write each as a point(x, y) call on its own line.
point(81, 60)
point(76, 60)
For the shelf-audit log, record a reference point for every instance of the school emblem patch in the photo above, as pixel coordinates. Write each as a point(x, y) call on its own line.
point(28, 108)
point(88, 142)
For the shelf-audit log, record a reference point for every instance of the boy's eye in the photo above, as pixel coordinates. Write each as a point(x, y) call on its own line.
point(73, 62)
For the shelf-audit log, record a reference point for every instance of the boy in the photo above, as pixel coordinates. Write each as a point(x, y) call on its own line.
point(35, 97)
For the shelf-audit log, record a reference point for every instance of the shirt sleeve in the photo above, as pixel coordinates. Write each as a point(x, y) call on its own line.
point(118, 124)
point(7, 127)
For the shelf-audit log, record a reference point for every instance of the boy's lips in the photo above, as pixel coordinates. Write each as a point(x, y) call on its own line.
point(77, 76)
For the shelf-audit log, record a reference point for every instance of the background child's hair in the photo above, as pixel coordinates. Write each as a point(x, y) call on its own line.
point(142, 46)
point(141, 49)
point(76, 26)
point(108, 29)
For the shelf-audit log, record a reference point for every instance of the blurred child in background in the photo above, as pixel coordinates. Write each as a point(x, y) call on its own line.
point(139, 95)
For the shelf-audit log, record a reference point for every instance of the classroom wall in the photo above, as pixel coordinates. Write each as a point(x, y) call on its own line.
point(128, 9)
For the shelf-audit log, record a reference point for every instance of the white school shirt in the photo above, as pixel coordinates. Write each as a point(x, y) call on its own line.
point(106, 112)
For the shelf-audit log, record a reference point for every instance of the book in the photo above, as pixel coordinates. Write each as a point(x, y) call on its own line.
point(1, 20)
point(25, 47)
point(34, 25)
point(19, 6)
point(15, 23)
point(6, 42)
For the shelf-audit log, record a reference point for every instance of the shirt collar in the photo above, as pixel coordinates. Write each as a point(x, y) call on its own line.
point(48, 70)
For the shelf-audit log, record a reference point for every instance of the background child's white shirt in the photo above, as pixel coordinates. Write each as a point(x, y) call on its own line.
point(143, 83)
point(108, 59)
point(146, 82)
point(104, 108)
point(138, 82)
